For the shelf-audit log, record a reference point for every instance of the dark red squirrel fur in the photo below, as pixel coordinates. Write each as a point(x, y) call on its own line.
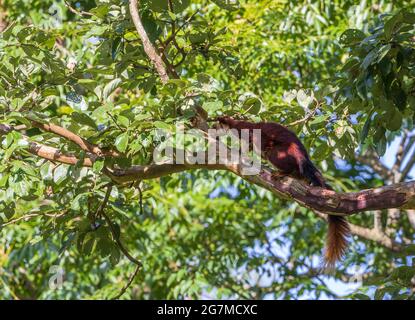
point(284, 150)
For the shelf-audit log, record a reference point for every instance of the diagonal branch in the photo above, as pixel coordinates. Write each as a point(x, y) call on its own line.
point(408, 167)
point(50, 153)
point(73, 10)
point(399, 156)
point(376, 236)
point(69, 135)
point(371, 160)
point(148, 46)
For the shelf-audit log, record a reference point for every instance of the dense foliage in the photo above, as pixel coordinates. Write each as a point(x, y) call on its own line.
point(339, 73)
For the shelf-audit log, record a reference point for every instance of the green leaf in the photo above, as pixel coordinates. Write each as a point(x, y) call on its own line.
point(115, 255)
point(213, 106)
point(121, 142)
point(391, 25)
point(100, 11)
point(289, 96)
point(383, 51)
point(381, 146)
point(180, 5)
point(110, 87)
point(380, 293)
point(369, 59)
point(395, 121)
point(360, 296)
point(9, 211)
point(98, 165)
point(9, 31)
point(365, 129)
point(60, 173)
point(150, 25)
point(303, 99)
point(230, 5)
point(250, 103)
point(123, 121)
point(82, 118)
point(403, 273)
point(320, 119)
point(161, 125)
point(351, 37)
point(157, 5)
point(409, 17)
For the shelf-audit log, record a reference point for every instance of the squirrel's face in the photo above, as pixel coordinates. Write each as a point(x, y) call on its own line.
point(223, 122)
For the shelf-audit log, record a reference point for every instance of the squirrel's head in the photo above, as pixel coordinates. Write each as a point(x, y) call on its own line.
point(224, 122)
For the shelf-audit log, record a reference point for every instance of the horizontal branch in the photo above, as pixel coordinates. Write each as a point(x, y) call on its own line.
point(400, 195)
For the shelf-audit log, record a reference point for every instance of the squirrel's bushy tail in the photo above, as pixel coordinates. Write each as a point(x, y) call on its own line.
point(336, 242)
point(339, 229)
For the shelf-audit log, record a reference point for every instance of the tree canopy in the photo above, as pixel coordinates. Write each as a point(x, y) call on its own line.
point(85, 212)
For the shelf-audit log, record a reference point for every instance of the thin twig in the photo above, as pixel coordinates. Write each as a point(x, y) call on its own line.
point(174, 33)
point(308, 116)
point(115, 121)
point(77, 12)
point(128, 284)
point(30, 216)
point(101, 212)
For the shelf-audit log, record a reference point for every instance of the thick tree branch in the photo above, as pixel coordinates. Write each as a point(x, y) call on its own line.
point(400, 195)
